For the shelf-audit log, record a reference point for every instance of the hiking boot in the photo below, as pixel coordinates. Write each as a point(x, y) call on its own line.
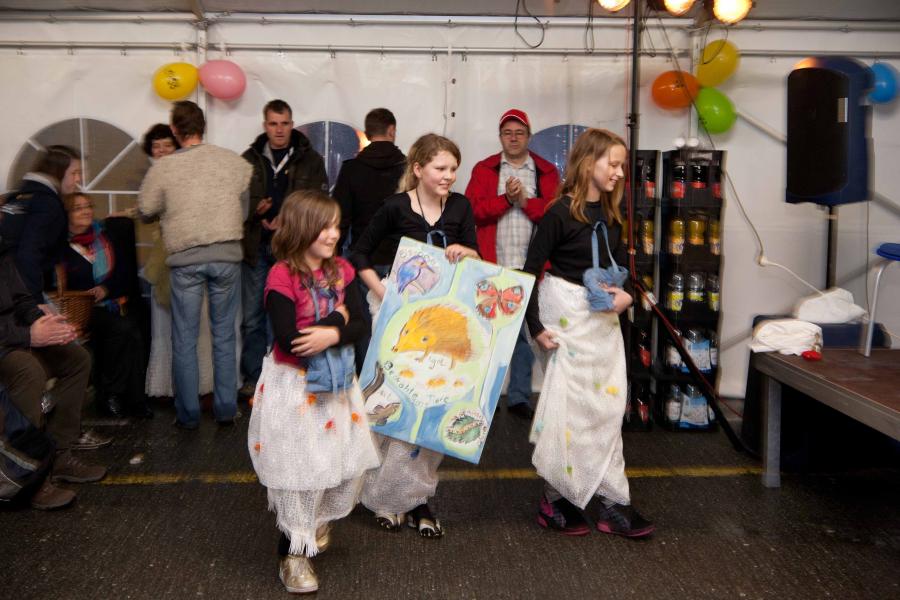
point(68, 468)
point(563, 516)
point(231, 420)
point(297, 575)
point(620, 519)
point(247, 391)
point(91, 440)
point(50, 497)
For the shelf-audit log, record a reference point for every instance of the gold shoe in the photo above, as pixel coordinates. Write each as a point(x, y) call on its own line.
point(323, 537)
point(297, 575)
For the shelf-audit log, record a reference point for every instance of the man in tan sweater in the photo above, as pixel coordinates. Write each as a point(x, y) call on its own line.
point(197, 194)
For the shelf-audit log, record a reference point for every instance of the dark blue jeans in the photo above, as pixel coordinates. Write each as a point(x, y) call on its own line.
point(518, 391)
point(255, 329)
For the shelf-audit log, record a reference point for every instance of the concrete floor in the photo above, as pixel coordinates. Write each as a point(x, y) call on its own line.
point(190, 521)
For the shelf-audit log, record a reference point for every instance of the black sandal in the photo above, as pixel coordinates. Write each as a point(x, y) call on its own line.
point(389, 521)
point(421, 519)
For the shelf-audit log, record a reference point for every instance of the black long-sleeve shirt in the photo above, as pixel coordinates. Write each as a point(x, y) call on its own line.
point(396, 219)
point(283, 315)
point(566, 243)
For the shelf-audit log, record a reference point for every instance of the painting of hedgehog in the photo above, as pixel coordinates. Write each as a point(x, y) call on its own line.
point(437, 329)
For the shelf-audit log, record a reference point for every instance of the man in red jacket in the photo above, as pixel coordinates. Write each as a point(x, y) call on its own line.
point(509, 192)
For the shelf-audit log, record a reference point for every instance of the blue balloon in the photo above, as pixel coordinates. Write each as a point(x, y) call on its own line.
point(884, 88)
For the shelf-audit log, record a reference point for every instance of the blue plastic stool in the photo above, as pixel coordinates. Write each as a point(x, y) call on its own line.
point(890, 253)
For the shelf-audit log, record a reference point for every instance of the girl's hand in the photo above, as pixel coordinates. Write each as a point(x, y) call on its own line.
point(313, 340)
point(456, 252)
point(344, 313)
point(546, 340)
point(379, 290)
point(621, 299)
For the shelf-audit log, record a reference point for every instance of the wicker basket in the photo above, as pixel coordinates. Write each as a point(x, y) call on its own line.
point(73, 305)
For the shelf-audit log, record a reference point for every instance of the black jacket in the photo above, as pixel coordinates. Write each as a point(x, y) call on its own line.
point(18, 310)
point(35, 226)
point(305, 170)
point(362, 185)
point(122, 280)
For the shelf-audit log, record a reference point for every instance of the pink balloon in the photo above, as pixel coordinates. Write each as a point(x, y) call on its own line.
point(223, 79)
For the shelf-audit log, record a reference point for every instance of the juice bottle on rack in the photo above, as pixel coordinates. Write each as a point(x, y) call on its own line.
point(647, 280)
point(673, 405)
point(695, 286)
point(649, 176)
point(699, 175)
point(647, 235)
point(696, 229)
point(713, 351)
point(676, 236)
point(712, 292)
point(715, 237)
point(644, 347)
point(679, 179)
point(717, 182)
point(675, 300)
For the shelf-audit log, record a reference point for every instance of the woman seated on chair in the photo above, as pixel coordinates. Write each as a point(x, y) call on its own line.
point(91, 264)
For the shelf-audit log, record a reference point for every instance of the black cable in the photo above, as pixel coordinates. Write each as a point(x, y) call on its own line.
point(516, 24)
point(589, 29)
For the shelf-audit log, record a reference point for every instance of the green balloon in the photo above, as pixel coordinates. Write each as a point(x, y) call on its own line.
point(715, 110)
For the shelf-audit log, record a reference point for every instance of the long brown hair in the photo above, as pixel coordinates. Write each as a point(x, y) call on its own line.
point(588, 149)
point(303, 216)
point(421, 152)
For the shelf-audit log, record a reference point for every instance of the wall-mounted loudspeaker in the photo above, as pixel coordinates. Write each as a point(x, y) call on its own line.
point(828, 131)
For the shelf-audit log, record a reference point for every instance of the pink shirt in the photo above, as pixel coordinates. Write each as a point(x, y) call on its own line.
point(290, 285)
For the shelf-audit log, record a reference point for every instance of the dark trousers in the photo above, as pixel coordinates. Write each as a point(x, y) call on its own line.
point(24, 373)
point(119, 365)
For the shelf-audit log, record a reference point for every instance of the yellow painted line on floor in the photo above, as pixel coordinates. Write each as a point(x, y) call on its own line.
point(445, 474)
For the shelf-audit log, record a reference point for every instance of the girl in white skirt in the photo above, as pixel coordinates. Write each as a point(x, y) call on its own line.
point(426, 210)
point(577, 429)
point(309, 448)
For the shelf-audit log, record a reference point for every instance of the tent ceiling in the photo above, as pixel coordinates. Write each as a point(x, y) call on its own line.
point(874, 10)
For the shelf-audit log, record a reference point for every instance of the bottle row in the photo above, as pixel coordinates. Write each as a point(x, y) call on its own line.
point(700, 288)
point(688, 408)
point(701, 346)
point(694, 175)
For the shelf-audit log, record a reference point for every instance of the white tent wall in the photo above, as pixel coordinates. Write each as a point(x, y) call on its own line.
point(457, 80)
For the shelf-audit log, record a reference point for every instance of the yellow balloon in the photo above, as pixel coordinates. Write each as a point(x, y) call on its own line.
point(720, 59)
point(175, 81)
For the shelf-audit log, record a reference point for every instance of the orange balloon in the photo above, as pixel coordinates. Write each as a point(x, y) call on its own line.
point(675, 89)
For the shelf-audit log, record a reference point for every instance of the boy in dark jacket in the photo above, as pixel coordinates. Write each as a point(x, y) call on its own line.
point(362, 185)
point(283, 161)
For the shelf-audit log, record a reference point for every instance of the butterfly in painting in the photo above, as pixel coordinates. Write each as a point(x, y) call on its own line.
point(488, 298)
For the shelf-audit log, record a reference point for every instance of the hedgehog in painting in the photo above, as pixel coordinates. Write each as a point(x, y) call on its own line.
point(436, 329)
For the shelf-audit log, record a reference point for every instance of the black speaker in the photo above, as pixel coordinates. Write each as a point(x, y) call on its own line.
point(828, 131)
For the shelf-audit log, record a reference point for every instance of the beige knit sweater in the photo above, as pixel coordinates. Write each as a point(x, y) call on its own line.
point(197, 195)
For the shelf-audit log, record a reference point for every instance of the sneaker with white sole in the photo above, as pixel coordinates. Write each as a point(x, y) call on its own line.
point(91, 440)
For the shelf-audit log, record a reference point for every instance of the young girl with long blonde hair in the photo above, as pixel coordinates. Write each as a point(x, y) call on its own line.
point(577, 429)
point(426, 210)
point(309, 448)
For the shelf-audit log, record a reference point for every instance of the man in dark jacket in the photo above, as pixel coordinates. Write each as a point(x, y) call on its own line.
point(283, 162)
point(35, 346)
point(362, 185)
point(34, 223)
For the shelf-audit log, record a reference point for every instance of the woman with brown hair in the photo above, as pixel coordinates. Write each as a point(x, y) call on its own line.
point(577, 428)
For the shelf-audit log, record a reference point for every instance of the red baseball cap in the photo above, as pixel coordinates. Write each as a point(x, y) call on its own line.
point(516, 115)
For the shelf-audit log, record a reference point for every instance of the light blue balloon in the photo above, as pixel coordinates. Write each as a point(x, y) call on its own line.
point(884, 88)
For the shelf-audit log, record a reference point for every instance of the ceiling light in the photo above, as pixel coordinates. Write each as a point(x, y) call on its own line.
point(731, 11)
point(613, 5)
point(678, 7)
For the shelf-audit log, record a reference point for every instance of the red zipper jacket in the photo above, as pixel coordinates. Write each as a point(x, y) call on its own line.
point(489, 206)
